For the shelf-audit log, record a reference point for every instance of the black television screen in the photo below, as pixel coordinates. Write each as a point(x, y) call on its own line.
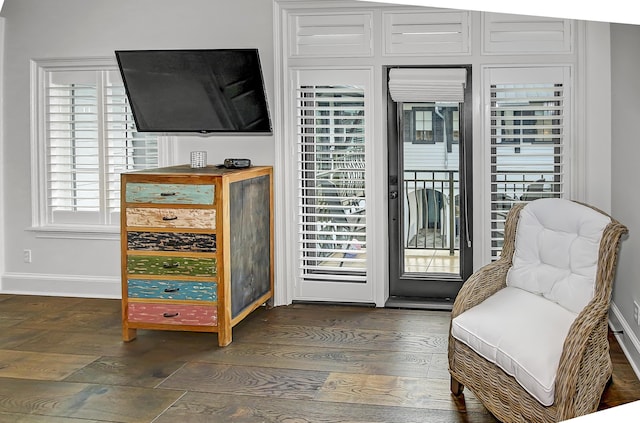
point(195, 90)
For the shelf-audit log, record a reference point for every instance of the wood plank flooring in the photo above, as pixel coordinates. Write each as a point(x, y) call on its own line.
point(62, 360)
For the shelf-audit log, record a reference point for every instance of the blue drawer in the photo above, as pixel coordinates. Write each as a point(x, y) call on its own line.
point(169, 193)
point(172, 290)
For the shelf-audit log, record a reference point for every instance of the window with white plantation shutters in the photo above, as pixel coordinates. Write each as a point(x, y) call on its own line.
point(528, 142)
point(86, 138)
point(331, 182)
point(127, 149)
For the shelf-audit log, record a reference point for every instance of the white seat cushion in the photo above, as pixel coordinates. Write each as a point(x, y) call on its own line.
point(520, 332)
point(556, 251)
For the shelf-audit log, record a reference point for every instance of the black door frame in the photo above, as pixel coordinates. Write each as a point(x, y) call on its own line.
point(439, 289)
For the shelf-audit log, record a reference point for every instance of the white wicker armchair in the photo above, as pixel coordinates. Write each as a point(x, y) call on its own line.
point(583, 362)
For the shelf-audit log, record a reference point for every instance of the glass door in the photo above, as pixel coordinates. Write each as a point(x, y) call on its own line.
point(429, 207)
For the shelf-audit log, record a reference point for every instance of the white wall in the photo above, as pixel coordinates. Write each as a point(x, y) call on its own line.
point(2, 155)
point(80, 28)
point(595, 73)
point(625, 109)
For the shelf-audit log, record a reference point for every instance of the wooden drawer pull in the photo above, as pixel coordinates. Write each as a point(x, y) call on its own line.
point(169, 217)
point(171, 265)
point(167, 194)
point(176, 314)
point(171, 289)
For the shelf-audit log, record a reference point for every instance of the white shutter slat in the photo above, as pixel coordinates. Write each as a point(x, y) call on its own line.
point(336, 35)
point(507, 34)
point(428, 33)
point(72, 123)
point(331, 212)
point(527, 149)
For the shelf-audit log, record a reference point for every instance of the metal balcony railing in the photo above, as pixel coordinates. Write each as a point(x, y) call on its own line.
point(431, 209)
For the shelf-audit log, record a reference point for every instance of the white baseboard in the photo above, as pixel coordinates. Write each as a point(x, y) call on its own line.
point(626, 338)
point(60, 285)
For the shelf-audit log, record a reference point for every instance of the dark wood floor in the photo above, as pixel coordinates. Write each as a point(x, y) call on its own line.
point(62, 360)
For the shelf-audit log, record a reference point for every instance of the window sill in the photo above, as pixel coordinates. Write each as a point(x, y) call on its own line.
point(110, 233)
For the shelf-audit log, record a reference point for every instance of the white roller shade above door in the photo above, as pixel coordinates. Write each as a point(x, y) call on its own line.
point(419, 85)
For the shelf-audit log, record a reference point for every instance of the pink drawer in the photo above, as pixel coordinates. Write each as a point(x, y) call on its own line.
point(172, 314)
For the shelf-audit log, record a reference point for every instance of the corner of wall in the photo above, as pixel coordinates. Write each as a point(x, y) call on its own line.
point(596, 70)
point(2, 155)
point(625, 86)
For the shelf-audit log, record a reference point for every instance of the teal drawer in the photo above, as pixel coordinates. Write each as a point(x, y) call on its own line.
point(169, 193)
point(172, 290)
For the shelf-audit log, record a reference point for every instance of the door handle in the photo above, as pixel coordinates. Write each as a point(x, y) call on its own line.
point(393, 195)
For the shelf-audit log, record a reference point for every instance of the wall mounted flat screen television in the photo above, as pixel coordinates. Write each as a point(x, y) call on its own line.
point(203, 91)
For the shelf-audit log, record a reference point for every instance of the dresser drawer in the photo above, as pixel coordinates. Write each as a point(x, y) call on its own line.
point(169, 193)
point(172, 290)
point(172, 314)
point(162, 265)
point(171, 241)
point(171, 218)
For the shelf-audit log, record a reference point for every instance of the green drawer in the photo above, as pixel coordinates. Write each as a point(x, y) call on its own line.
point(183, 266)
point(169, 193)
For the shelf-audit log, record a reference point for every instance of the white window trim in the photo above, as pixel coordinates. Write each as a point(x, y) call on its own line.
point(166, 150)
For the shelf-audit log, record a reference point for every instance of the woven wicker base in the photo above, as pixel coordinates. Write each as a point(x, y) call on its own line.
point(505, 398)
point(499, 392)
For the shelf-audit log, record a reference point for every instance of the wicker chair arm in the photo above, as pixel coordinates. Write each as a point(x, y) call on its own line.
point(481, 285)
point(579, 352)
point(492, 277)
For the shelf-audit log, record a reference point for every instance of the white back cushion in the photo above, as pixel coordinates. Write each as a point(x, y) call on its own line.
point(556, 251)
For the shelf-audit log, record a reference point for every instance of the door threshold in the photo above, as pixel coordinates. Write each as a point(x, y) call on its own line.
point(445, 304)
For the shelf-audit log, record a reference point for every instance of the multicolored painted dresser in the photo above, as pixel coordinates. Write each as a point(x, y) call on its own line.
point(197, 248)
